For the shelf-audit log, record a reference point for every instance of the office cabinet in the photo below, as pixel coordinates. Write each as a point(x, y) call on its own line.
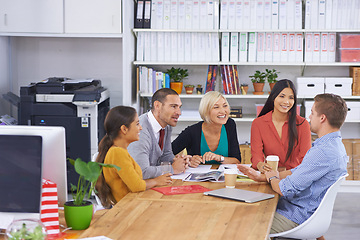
point(41, 16)
point(92, 16)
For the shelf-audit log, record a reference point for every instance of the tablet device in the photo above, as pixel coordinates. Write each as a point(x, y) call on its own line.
point(239, 195)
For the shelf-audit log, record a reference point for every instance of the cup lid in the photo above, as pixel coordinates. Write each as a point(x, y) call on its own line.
point(272, 158)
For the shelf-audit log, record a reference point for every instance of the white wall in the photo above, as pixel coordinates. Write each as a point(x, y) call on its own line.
point(37, 58)
point(4, 75)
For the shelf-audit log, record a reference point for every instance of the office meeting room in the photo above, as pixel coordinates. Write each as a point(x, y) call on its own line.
point(179, 119)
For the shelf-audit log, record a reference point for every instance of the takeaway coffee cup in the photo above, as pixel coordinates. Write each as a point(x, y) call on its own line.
point(273, 161)
point(230, 177)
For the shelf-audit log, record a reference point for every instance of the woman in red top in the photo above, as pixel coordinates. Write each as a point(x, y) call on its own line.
point(278, 130)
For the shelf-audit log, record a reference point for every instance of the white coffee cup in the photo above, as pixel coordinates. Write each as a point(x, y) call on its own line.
point(230, 177)
point(273, 161)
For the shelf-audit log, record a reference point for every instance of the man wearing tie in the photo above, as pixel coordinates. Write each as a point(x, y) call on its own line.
point(154, 145)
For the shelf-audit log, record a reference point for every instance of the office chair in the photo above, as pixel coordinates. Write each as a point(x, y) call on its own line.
point(317, 225)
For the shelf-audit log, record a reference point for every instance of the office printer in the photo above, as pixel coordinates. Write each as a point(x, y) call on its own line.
point(79, 105)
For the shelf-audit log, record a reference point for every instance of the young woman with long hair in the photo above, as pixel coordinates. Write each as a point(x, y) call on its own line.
point(122, 127)
point(278, 130)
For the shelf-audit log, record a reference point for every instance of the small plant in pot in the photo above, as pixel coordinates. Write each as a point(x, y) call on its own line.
point(189, 88)
point(78, 213)
point(258, 80)
point(244, 88)
point(271, 76)
point(199, 89)
point(177, 76)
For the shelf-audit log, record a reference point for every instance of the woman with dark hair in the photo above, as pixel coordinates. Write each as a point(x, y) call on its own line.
point(122, 128)
point(278, 130)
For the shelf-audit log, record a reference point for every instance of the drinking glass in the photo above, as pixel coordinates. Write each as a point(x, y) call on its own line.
point(165, 167)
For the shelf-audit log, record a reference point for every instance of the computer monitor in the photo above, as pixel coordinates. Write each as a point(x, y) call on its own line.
point(53, 153)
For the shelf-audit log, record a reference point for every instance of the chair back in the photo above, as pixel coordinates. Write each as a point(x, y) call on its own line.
point(318, 224)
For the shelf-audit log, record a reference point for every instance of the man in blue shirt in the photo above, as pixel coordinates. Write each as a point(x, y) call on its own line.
point(302, 188)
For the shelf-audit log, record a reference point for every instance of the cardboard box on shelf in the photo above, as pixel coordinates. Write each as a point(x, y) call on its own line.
point(245, 151)
point(349, 40)
point(310, 86)
point(338, 85)
point(356, 158)
point(355, 74)
point(348, 55)
point(348, 143)
point(353, 111)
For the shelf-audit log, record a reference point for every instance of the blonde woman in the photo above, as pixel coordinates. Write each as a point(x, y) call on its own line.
point(213, 140)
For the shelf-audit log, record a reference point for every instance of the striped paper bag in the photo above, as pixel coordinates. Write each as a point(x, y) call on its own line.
point(49, 208)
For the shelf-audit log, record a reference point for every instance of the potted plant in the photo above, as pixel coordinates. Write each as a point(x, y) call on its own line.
point(271, 76)
point(258, 80)
point(78, 212)
point(189, 88)
point(177, 76)
point(199, 89)
point(26, 229)
point(244, 88)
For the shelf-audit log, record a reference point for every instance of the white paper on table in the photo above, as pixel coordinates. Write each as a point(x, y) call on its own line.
point(199, 169)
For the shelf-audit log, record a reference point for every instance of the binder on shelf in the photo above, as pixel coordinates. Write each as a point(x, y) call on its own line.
point(202, 14)
point(308, 47)
point(147, 46)
point(196, 15)
point(334, 14)
point(332, 47)
point(215, 47)
point(181, 47)
point(139, 14)
point(267, 14)
point(224, 12)
point(234, 47)
point(153, 46)
point(322, 14)
point(208, 48)
point(147, 14)
point(276, 48)
point(153, 23)
point(268, 47)
point(308, 14)
point(140, 47)
point(298, 15)
point(202, 47)
point(239, 14)
point(324, 47)
point(299, 43)
point(284, 44)
point(243, 50)
point(260, 54)
point(328, 13)
point(159, 14)
point(187, 46)
point(216, 18)
point(150, 80)
point(314, 14)
point(174, 47)
point(160, 47)
point(155, 87)
point(316, 49)
point(210, 14)
point(246, 14)
point(260, 14)
point(194, 47)
point(275, 14)
point(167, 80)
point(231, 14)
point(174, 14)
point(282, 14)
point(252, 47)
point(291, 49)
point(252, 14)
point(167, 14)
point(290, 14)
point(225, 48)
point(167, 46)
point(188, 14)
point(181, 15)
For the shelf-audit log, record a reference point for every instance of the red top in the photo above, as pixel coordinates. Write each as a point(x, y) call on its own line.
point(266, 141)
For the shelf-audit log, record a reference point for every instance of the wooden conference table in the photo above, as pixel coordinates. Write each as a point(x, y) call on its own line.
point(152, 215)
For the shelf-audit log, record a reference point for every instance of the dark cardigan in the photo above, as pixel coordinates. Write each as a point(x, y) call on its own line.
point(190, 139)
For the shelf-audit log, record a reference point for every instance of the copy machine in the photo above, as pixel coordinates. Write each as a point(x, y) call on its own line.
point(80, 106)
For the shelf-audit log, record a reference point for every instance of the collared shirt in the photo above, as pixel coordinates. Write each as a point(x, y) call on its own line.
point(265, 141)
point(155, 125)
point(304, 189)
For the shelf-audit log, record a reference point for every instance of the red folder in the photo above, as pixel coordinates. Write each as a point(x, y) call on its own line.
point(181, 189)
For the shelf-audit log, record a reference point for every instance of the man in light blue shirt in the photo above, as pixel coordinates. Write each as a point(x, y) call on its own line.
point(302, 188)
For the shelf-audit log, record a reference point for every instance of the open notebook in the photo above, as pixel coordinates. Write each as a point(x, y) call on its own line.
point(239, 195)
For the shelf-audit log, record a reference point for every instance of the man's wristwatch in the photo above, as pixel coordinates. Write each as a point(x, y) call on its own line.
point(271, 178)
point(222, 158)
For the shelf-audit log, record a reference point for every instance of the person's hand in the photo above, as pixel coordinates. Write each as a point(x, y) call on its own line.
point(195, 161)
point(270, 174)
point(179, 164)
point(251, 173)
point(164, 179)
point(263, 167)
point(208, 156)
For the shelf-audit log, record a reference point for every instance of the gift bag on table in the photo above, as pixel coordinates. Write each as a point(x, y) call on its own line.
point(49, 214)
